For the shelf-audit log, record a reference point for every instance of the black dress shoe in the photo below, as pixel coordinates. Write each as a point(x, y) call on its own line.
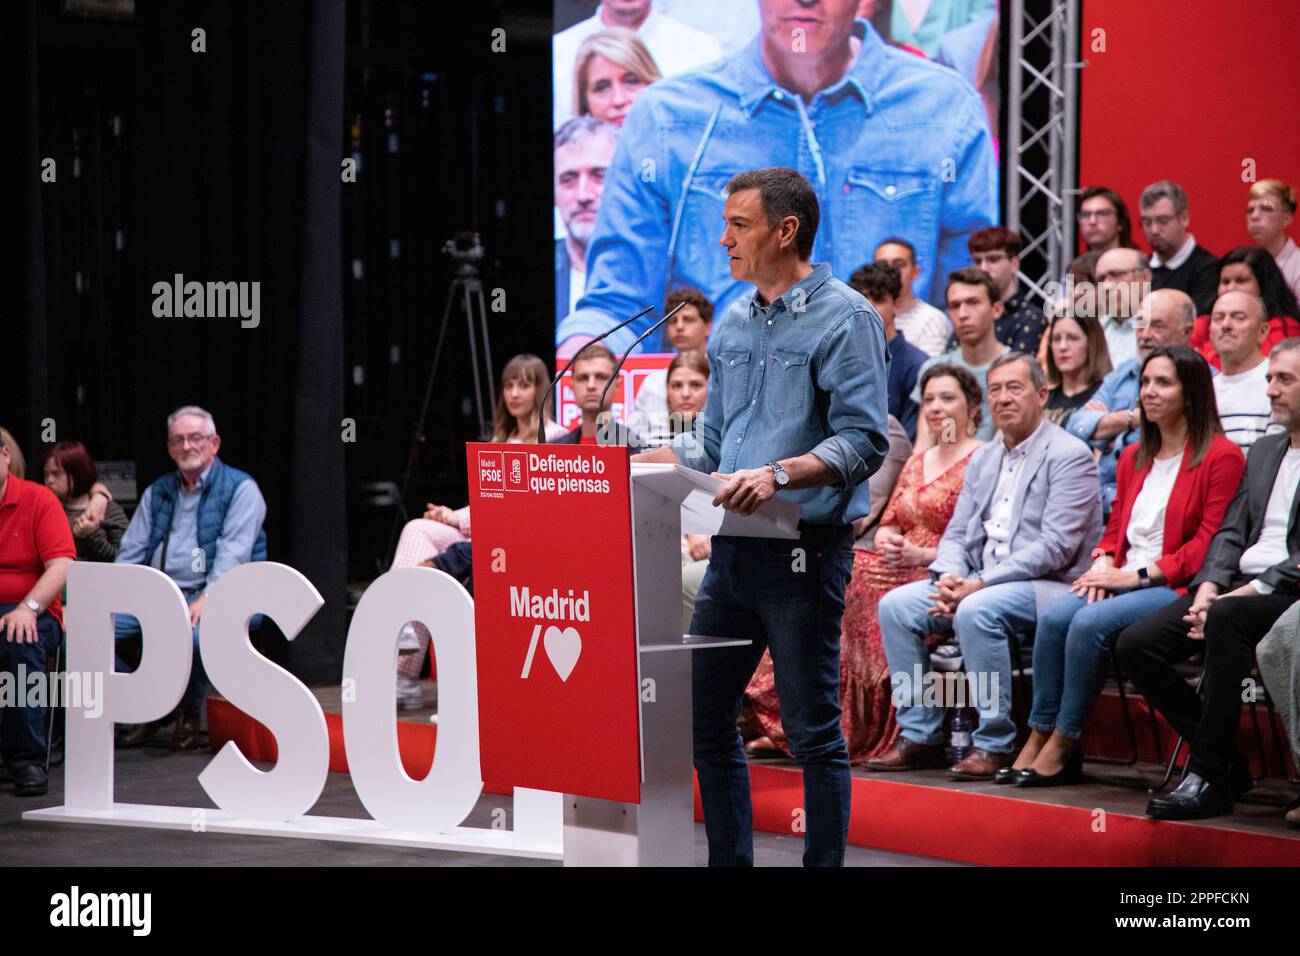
point(30, 781)
point(1194, 799)
point(1007, 775)
point(1072, 772)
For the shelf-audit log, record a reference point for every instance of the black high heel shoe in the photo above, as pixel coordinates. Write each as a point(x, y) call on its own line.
point(1072, 772)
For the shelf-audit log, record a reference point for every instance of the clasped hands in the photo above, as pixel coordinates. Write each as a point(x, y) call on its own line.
point(952, 590)
point(898, 552)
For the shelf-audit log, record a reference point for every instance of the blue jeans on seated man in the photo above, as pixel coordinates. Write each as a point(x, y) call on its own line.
point(22, 728)
point(1070, 654)
point(982, 624)
point(763, 590)
point(126, 626)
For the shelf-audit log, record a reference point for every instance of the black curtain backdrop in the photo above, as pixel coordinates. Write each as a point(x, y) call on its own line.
point(238, 153)
point(233, 168)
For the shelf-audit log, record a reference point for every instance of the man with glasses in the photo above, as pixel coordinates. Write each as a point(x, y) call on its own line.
point(1177, 262)
point(996, 252)
point(194, 524)
point(1123, 281)
point(1103, 220)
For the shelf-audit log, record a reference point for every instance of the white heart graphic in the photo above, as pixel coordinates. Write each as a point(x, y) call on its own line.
point(563, 647)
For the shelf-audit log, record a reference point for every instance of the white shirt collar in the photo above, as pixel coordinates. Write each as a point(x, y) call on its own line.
point(1178, 258)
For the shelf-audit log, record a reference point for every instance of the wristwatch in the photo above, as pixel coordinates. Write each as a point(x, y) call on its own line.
point(32, 606)
point(1144, 578)
point(782, 476)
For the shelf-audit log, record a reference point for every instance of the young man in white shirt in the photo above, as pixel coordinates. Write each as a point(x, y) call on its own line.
point(1250, 577)
point(1123, 281)
point(921, 323)
point(688, 330)
point(1238, 326)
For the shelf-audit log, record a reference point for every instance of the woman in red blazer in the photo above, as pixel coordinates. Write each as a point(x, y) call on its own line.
point(1173, 489)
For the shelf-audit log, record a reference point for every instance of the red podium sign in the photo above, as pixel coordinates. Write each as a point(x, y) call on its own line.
point(555, 618)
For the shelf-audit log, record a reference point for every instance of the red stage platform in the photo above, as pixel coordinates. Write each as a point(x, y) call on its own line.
point(1099, 823)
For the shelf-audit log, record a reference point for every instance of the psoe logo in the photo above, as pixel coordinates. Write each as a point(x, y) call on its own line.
point(491, 474)
point(516, 470)
point(75, 908)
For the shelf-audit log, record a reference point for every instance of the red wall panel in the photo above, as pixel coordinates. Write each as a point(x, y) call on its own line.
point(1188, 90)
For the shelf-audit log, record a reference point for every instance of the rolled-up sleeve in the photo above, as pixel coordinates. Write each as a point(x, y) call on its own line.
point(852, 367)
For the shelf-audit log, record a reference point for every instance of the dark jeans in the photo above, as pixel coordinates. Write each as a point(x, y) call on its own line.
point(787, 596)
point(127, 627)
point(1148, 649)
point(22, 728)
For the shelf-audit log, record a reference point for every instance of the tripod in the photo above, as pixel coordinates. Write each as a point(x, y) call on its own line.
point(465, 290)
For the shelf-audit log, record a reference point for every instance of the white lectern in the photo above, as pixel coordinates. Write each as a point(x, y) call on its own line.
point(667, 500)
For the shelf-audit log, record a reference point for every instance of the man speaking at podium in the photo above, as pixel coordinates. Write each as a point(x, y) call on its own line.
point(796, 407)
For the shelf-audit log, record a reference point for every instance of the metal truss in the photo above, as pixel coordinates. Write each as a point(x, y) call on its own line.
point(1040, 153)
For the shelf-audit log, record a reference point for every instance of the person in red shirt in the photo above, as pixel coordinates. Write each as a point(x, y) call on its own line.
point(589, 375)
point(35, 547)
point(1252, 270)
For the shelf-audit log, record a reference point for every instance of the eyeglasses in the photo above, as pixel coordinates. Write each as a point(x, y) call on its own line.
point(1085, 214)
point(180, 441)
point(989, 259)
point(1161, 221)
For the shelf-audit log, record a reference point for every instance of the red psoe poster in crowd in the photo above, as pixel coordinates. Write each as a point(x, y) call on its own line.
point(555, 619)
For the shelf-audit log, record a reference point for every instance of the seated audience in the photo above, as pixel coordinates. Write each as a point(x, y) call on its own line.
point(688, 330)
point(1252, 270)
point(1123, 280)
point(1174, 487)
point(910, 528)
point(1250, 577)
point(1238, 324)
point(205, 508)
point(1104, 222)
point(1025, 522)
point(1108, 422)
point(589, 375)
point(1077, 361)
point(70, 474)
point(996, 251)
point(1078, 295)
point(1278, 655)
point(880, 284)
point(924, 326)
point(974, 304)
point(35, 548)
point(519, 408)
point(1270, 207)
point(1177, 262)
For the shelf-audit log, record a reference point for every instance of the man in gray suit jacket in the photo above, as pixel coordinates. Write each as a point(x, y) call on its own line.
point(1249, 579)
point(1027, 518)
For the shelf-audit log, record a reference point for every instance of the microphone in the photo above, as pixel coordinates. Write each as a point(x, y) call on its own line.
point(541, 409)
point(617, 368)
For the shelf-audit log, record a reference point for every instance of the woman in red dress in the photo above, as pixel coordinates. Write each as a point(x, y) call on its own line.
point(910, 529)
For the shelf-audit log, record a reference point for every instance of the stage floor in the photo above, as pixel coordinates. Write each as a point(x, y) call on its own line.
point(157, 776)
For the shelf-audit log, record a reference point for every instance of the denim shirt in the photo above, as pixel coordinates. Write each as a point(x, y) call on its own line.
point(1118, 390)
point(898, 147)
point(806, 374)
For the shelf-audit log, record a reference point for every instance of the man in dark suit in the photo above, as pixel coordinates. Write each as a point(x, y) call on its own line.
point(589, 375)
point(1177, 261)
point(1250, 577)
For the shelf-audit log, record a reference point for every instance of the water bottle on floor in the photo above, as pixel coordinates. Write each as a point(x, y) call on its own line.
point(960, 729)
